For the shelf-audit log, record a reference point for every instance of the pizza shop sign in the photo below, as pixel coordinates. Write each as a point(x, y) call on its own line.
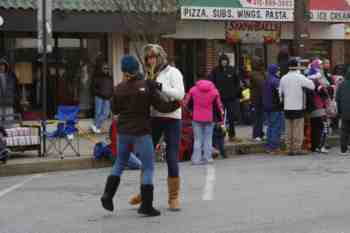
point(242, 14)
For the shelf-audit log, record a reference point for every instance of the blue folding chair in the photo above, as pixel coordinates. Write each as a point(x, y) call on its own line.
point(66, 134)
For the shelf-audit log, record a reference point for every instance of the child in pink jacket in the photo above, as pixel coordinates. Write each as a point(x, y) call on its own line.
point(204, 101)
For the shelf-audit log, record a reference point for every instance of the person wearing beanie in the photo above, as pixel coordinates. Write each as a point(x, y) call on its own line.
point(103, 90)
point(132, 101)
point(170, 81)
point(228, 83)
point(292, 87)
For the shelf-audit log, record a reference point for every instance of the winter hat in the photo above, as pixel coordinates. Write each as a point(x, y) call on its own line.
point(154, 50)
point(273, 69)
point(130, 65)
point(293, 64)
point(316, 64)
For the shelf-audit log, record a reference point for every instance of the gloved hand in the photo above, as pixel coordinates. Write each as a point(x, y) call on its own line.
point(154, 85)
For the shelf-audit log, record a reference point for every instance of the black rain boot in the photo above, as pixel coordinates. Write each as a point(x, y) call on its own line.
point(146, 207)
point(111, 187)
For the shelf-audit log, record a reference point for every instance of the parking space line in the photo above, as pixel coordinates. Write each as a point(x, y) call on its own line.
point(14, 187)
point(208, 192)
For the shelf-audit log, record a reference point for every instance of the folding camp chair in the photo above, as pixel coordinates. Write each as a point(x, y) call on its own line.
point(66, 134)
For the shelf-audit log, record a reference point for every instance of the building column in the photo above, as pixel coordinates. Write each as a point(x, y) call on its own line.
point(211, 56)
point(272, 53)
point(115, 53)
point(338, 52)
point(169, 46)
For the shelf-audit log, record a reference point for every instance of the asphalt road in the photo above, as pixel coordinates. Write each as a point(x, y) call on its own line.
point(250, 194)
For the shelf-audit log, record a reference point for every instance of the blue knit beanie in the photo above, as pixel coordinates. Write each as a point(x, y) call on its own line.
point(130, 65)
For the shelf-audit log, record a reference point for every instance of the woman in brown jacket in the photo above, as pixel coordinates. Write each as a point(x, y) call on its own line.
point(257, 86)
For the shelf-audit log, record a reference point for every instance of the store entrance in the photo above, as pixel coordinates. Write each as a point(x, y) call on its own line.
point(190, 60)
point(246, 54)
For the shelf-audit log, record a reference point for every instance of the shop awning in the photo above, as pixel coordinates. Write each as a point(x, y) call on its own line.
point(93, 15)
point(92, 5)
point(334, 11)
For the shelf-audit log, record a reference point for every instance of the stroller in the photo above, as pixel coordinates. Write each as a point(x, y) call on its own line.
point(4, 153)
point(186, 142)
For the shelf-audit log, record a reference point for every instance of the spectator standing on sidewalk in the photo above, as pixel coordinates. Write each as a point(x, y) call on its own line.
point(103, 89)
point(8, 90)
point(257, 86)
point(204, 100)
point(132, 102)
point(318, 112)
point(343, 103)
point(228, 83)
point(292, 92)
point(273, 109)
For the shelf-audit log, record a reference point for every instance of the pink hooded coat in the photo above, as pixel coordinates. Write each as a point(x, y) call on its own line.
point(204, 97)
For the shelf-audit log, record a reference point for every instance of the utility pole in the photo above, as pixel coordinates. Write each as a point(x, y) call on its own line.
point(301, 27)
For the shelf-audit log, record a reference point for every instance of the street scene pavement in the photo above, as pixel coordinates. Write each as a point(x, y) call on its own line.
point(248, 194)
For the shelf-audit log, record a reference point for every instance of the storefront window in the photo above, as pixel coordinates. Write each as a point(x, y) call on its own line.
point(71, 66)
point(319, 49)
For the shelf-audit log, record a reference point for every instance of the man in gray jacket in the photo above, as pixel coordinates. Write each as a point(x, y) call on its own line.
point(343, 103)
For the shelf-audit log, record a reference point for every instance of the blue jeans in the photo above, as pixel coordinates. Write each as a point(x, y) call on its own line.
point(143, 146)
point(102, 111)
point(172, 136)
point(203, 141)
point(134, 162)
point(274, 129)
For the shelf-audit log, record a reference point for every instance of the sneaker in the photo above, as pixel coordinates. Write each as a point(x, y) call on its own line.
point(258, 139)
point(323, 150)
point(94, 129)
point(211, 160)
point(343, 154)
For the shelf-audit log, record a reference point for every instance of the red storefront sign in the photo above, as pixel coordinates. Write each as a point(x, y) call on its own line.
point(330, 10)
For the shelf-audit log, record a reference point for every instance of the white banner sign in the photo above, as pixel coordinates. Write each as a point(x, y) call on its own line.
point(242, 14)
point(330, 16)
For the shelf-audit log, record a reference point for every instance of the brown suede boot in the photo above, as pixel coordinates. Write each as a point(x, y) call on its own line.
point(135, 199)
point(173, 189)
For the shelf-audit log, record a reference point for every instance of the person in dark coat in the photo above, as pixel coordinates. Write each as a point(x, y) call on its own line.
point(273, 109)
point(132, 101)
point(343, 103)
point(228, 83)
point(103, 90)
point(257, 87)
point(8, 91)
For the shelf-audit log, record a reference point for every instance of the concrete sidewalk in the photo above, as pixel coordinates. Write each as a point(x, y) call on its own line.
point(21, 164)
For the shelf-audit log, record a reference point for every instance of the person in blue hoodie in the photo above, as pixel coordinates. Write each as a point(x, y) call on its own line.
point(273, 109)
